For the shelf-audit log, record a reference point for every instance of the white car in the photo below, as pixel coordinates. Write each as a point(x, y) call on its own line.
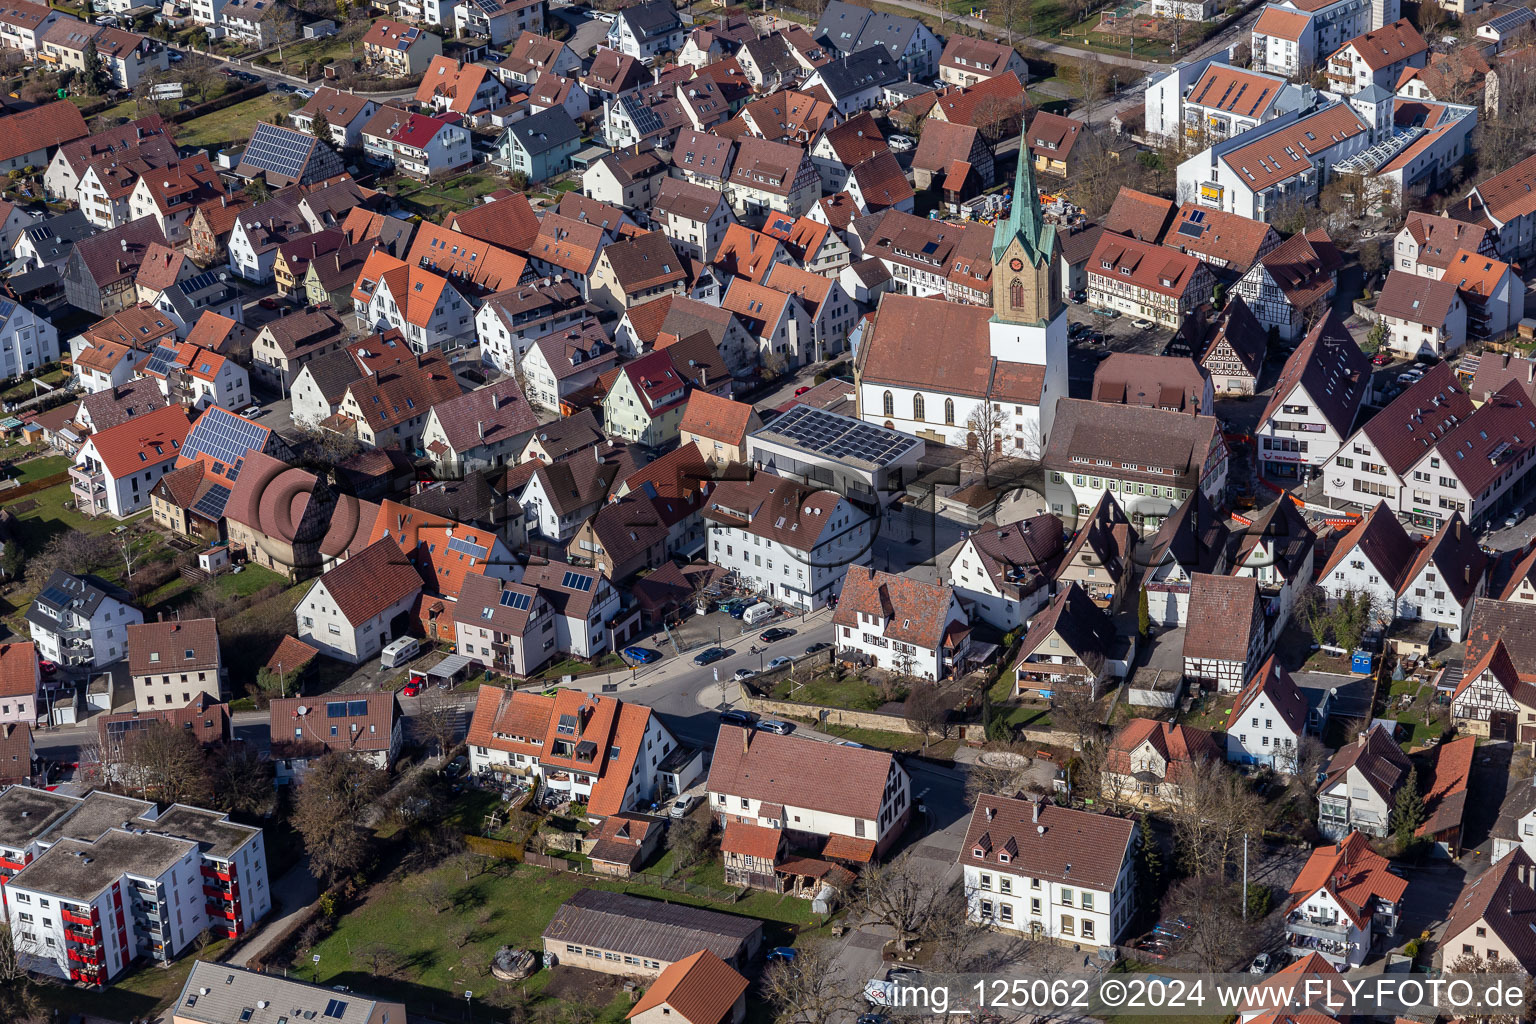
point(901, 143)
point(1143, 325)
point(682, 805)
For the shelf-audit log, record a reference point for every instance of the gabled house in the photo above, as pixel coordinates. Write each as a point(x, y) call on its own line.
point(646, 400)
point(1228, 632)
point(1375, 558)
point(367, 727)
point(841, 804)
point(479, 429)
point(1150, 762)
point(21, 685)
point(1071, 645)
point(1194, 539)
point(100, 275)
point(563, 362)
point(1451, 572)
point(772, 177)
point(1292, 283)
point(1360, 785)
point(907, 42)
point(646, 30)
point(1378, 57)
point(469, 90)
point(1494, 917)
point(693, 218)
point(967, 60)
point(1278, 548)
point(1038, 869)
point(1269, 720)
point(170, 663)
point(558, 497)
point(1229, 243)
point(634, 270)
point(395, 50)
point(1345, 898)
point(1493, 699)
point(1100, 558)
point(718, 426)
point(916, 629)
point(354, 609)
point(1313, 407)
point(539, 146)
point(1003, 575)
point(1422, 316)
point(117, 468)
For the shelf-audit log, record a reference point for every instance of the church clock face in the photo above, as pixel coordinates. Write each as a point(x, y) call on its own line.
point(1016, 264)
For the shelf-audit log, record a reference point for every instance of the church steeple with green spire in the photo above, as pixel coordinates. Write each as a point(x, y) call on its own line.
point(1025, 286)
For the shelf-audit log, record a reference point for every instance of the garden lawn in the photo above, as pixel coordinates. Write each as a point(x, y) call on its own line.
point(36, 469)
point(609, 662)
point(832, 690)
point(510, 906)
point(248, 580)
point(233, 124)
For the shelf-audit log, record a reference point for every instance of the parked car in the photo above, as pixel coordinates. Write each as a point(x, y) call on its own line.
point(304, 94)
point(784, 953)
point(411, 689)
point(775, 726)
point(901, 143)
point(710, 655)
point(849, 743)
point(778, 663)
point(682, 805)
point(802, 389)
point(1410, 377)
point(818, 648)
point(1143, 324)
point(735, 716)
point(776, 634)
point(1382, 358)
point(741, 675)
point(1260, 964)
point(47, 667)
point(176, 56)
point(641, 655)
point(1515, 515)
point(268, 302)
point(1106, 312)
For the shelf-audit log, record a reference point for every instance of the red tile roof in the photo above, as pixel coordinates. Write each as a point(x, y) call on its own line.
point(371, 581)
point(701, 989)
point(19, 672)
point(40, 128)
point(148, 440)
point(800, 772)
point(1356, 876)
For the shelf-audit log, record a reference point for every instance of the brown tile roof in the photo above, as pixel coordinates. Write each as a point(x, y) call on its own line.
point(701, 989)
point(943, 143)
point(1381, 539)
point(775, 508)
point(19, 672)
point(1139, 215)
point(114, 406)
point(1149, 266)
point(1180, 746)
point(717, 418)
point(1046, 841)
point(371, 581)
point(562, 437)
point(899, 349)
point(567, 244)
point(1269, 161)
point(1163, 382)
point(746, 253)
point(41, 128)
point(1236, 91)
point(1082, 625)
point(1332, 369)
point(1502, 900)
point(800, 772)
point(292, 655)
point(508, 222)
point(1280, 23)
point(766, 166)
point(1439, 238)
point(856, 140)
point(1387, 45)
point(1054, 136)
point(1151, 438)
point(486, 415)
point(751, 840)
point(909, 610)
point(644, 261)
point(1378, 758)
point(186, 645)
point(985, 57)
point(1445, 799)
point(983, 103)
point(1224, 612)
point(1219, 236)
point(882, 183)
point(1457, 557)
point(1418, 418)
point(685, 200)
point(1275, 682)
point(105, 256)
point(1482, 448)
point(1355, 875)
point(1418, 300)
point(301, 726)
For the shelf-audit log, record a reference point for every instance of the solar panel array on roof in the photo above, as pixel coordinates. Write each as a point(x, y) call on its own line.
point(198, 282)
point(225, 438)
point(211, 505)
point(162, 358)
point(646, 121)
point(53, 595)
point(516, 600)
point(835, 436)
point(278, 150)
point(577, 581)
point(464, 547)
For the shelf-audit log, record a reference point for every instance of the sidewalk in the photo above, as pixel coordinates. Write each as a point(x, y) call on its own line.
point(291, 895)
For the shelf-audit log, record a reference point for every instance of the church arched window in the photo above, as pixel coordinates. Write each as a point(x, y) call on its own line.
point(889, 404)
point(918, 409)
point(949, 411)
point(1016, 294)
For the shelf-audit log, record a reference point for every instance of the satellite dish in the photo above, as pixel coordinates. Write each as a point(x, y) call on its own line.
point(303, 710)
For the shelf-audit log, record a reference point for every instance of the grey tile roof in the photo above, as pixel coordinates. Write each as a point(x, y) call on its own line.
point(657, 931)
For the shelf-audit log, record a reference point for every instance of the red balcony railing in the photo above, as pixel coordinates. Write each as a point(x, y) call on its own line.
point(79, 957)
point(77, 919)
point(84, 938)
point(6, 862)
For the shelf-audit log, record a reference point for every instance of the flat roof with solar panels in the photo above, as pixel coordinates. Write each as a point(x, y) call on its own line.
point(831, 435)
point(862, 461)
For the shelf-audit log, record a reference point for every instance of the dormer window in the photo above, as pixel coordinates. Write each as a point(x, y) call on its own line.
point(1003, 857)
point(978, 853)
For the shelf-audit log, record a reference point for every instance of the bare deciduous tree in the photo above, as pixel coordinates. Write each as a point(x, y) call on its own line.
point(437, 716)
point(1215, 808)
point(984, 438)
point(900, 895)
point(927, 710)
point(807, 989)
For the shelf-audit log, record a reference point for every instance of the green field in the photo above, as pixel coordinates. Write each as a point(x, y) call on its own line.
point(233, 124)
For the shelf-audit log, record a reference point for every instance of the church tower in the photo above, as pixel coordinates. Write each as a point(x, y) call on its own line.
point(1028, 313)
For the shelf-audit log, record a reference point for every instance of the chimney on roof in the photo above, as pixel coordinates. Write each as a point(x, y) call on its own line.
point(1035, 811)
point(746, 742)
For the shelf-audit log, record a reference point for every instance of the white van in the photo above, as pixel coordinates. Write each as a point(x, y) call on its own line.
point(760, 612)
point(400, 651)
